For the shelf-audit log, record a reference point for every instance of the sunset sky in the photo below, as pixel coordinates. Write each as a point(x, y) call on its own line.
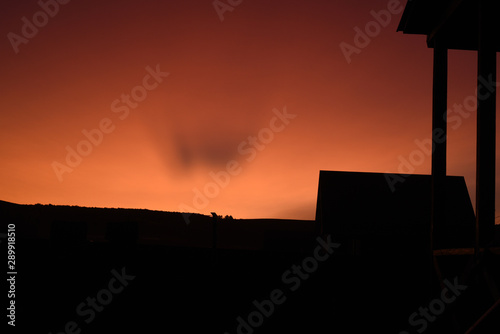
point(259, 93)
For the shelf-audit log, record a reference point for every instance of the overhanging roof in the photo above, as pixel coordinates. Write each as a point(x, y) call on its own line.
point(455, 21)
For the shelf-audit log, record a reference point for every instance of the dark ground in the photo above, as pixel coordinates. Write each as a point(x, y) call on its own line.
point(192, 289)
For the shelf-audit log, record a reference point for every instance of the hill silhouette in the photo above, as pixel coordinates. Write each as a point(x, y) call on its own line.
point(158, 227)
point(68, 253)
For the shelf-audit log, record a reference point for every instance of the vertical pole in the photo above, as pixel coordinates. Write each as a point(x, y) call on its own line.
point(486, 125)
point(439, 138)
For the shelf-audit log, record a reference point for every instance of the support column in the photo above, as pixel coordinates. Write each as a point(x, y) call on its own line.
point(439, 134)
point(486, 125)
point(438, 179)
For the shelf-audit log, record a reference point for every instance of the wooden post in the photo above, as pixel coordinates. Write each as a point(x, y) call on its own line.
point(439, 133)
point(486, 125)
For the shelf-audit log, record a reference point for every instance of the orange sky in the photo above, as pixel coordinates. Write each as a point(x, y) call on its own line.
point(225, 79)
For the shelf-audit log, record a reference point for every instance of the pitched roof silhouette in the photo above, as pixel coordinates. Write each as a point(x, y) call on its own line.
point(356, 205)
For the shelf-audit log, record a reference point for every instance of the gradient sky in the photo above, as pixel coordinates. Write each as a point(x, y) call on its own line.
point(225, 79)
